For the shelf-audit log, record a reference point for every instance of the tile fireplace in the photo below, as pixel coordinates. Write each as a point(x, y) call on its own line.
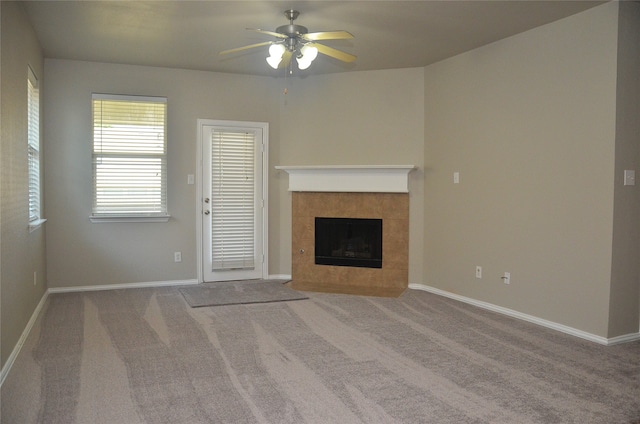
point(389, 207)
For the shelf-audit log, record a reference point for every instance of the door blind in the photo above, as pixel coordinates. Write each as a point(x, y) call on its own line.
point(233, 199)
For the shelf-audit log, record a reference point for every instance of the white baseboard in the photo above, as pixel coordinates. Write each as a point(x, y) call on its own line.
point(122, 286)
point(279, 277)
point(23, 337)
point(625, 338)
point(530, 318)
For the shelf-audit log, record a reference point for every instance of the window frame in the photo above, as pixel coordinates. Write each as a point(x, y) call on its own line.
point(34, 160)
point(143, 216)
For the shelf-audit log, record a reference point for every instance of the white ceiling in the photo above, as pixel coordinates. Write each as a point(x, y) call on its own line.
point(189, 34)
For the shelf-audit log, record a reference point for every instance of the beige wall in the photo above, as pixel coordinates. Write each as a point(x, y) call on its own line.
point(358, 118)
point(80, 253)
point(361, 127)
point(529, 122)
point(625, 276)
point(22, 253)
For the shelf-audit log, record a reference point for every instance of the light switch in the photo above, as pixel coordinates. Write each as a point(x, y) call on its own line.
point(456, 177)
point(191, 179)
point(629, 177)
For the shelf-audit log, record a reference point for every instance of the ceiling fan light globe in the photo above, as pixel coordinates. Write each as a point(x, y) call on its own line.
point(276, 50)
point(274, 61)
point(303, 63)
point(309, 53)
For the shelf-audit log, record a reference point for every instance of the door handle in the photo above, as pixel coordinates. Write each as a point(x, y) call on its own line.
point(207, 212)
point(206, 200)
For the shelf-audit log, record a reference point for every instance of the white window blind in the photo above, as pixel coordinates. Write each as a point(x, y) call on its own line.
point(33, 145)
point(129, 156)
point(233, 199)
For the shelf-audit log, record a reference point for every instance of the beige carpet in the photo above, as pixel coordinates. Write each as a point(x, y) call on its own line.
point(145, 356)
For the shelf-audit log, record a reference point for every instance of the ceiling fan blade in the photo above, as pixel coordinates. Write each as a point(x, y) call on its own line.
point(327, 35)
point(273, 34)
point(286, 59)
point(336, 54)
point(238, 49)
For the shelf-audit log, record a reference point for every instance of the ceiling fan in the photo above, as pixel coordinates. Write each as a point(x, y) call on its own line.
point(296, 41)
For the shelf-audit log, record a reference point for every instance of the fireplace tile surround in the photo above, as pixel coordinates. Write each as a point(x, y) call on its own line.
point(392, 208)
point(391, 205)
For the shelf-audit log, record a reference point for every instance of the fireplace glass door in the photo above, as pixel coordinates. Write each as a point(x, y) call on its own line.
point(353, 242)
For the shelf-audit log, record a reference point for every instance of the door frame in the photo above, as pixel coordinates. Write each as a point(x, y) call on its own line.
point(200, 201)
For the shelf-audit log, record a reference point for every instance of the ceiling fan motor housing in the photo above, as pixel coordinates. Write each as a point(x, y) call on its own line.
point(292, 30)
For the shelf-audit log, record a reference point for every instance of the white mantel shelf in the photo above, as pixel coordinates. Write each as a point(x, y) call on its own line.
point(349, 178)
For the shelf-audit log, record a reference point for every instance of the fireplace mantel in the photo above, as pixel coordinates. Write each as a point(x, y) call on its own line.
point(349, 178)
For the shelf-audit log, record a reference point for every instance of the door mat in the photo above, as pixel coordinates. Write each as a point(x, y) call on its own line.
point(239, 293)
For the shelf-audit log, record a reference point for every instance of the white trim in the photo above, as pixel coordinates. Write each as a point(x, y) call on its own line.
point(202, 122)
point(97, 219)
point(31, 76)
point(23, 338)
point(35, 224)
point(350, 178)
point(199, 206)
point(626, 338)
point(129, 98)
point(279, 277)
point(265, 201)
point(530, 318)
point(122, 286)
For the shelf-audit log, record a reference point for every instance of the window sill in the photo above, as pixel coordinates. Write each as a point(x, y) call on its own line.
point(35, 224)
point(128, 218)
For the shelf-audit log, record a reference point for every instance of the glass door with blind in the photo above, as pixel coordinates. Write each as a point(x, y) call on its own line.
point(233, 200)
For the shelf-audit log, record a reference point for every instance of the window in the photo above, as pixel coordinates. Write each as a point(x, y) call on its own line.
point(33, 149)
point(129, 158)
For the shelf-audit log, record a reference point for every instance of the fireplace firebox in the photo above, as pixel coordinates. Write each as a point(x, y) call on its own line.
point(355, 242)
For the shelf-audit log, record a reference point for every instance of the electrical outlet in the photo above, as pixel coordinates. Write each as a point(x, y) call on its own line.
point(507, 278)
point(478, 272)
point(177, 256)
